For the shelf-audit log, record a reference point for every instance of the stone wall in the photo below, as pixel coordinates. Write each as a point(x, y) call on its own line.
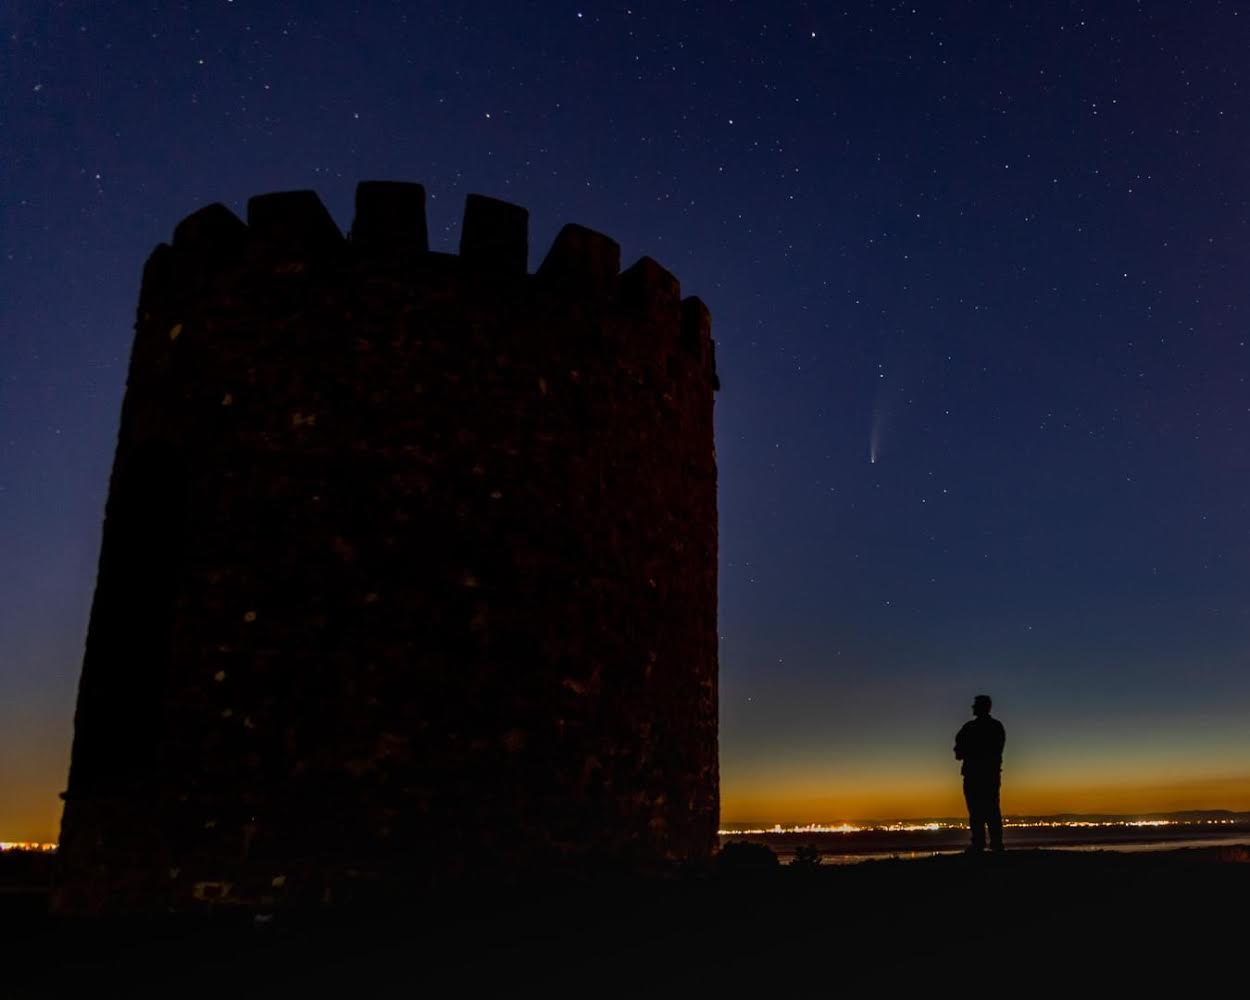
point(409, 566)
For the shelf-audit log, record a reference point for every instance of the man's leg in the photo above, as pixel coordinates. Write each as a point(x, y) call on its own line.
point(994, 817)
point(976, 815)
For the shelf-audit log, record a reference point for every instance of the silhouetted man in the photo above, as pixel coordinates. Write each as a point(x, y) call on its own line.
point(979, 744)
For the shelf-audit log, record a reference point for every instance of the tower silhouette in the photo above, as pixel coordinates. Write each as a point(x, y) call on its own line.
point(408, 569)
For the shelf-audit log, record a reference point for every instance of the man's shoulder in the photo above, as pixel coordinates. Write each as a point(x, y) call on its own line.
point(987, 726)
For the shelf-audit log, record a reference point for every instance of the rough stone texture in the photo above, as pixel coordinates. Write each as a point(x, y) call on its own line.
point(409, 567)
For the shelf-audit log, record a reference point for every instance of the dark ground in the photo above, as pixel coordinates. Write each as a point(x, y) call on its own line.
point(1029, 921)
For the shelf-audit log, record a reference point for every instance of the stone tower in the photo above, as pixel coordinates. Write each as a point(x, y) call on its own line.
point(408, 570)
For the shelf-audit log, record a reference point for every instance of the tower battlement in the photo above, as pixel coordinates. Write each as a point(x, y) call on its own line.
point(409, 565)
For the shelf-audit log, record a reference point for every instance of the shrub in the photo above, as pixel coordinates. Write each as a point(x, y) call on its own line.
point(740, 857)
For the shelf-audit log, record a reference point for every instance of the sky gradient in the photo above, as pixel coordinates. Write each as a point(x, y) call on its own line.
point(978, 281)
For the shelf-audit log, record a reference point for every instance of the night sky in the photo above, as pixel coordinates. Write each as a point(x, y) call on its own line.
point(979, 276)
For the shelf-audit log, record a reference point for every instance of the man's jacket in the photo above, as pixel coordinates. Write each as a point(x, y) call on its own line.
point(979, 744)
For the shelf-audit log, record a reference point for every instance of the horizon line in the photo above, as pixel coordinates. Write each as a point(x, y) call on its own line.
point(922, 822)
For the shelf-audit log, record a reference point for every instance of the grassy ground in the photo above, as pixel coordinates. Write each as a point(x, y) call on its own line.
point(1028, 921)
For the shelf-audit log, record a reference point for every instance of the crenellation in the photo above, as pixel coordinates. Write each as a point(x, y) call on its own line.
point(212, 235)
point(291, 225)
point(696, 321)
point(696, 327)
point(157, 282)
point(495, 236)
point(647, 285)
point(582, 261)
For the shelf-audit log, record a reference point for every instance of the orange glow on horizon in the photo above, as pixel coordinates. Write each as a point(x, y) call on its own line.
point(32, 813)
point(859, 801)
point(30, 803)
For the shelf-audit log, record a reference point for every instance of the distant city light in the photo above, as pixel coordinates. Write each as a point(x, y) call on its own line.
point(26, 845)
point(910, 826)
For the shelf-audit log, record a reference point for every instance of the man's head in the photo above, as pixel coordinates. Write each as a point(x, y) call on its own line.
point(982, 704)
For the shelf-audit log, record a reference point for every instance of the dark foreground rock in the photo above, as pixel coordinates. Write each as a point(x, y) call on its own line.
point(1029, 920)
